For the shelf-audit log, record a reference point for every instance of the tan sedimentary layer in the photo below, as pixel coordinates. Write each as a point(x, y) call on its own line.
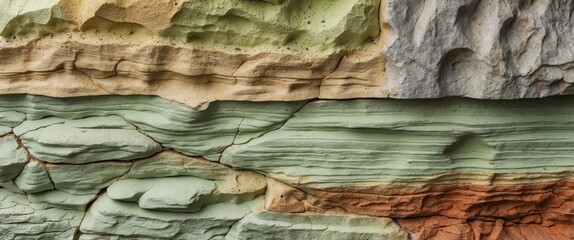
point(194, 76)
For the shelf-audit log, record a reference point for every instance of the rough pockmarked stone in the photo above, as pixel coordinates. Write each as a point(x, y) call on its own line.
point(240, 136)
point(480, 49)
point(193, 52)
point(21, 219)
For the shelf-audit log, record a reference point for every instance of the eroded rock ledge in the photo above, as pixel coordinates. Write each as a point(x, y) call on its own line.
point(197, 53)
point(141, 166)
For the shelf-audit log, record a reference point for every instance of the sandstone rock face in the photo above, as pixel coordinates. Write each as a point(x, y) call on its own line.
point(271, 119)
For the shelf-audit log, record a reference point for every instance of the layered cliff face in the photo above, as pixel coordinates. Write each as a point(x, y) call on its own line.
point(286, 119)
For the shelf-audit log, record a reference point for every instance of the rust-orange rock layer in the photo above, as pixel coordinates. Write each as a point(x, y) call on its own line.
point(538, 203)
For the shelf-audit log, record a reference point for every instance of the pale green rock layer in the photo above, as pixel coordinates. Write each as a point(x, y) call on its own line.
point(13, 158)
point(110, 217)
point(183, 193)
point(92, 129)
point(141, 158)
point(318, 144)
point(414, 142)
point(34, 178)
point(267, 225)
point(22, 219)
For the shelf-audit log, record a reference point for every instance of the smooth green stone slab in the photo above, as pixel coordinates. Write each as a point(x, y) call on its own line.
point(11, 118)
point(91, 177)
point(267, 225)
point(178, 194)
point(174, 125)
point(111, 217)
point(13, 158)
point(62, 199)
point(84, 140)
point(21, 219)
point(186, 193)
point(34, 178)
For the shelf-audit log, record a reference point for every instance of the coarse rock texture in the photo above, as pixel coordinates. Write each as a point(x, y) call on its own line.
point(439, 227)
point(270, 119)
point(195, 52)
point(480, 49)
point(200, 52)
point(491, 168)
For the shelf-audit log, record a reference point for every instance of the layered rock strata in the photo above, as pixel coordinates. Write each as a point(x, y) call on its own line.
point(266, 119)
point(469, 168)
point(197, 53)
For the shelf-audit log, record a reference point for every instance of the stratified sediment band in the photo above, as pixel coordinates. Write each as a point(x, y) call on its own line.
point(466, 160)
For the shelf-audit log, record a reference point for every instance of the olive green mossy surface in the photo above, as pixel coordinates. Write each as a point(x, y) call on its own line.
point(31, 18)
point(307, 25)
point(302, 24)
